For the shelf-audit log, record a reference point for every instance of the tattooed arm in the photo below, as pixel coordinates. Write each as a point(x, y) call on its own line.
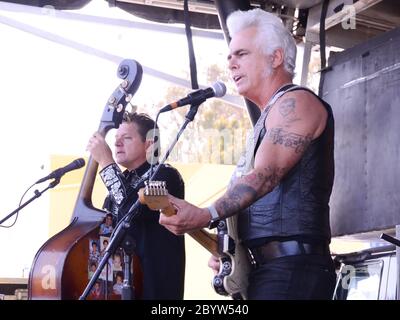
point(293, 122)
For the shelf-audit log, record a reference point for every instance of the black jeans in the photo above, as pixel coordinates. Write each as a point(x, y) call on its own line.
point(300, 277)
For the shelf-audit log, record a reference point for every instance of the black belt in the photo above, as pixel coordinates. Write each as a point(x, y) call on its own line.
point(278, 249)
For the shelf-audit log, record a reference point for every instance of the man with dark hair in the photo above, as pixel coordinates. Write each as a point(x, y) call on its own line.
point(161, 253)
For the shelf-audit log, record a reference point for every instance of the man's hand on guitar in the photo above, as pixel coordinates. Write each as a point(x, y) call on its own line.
point(214, 264)
point(188, 217)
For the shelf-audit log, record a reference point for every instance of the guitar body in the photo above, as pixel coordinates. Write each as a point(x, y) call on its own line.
point(235, 266)
point(232, 278)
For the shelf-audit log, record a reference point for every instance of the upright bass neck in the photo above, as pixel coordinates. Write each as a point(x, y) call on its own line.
point(130, 71)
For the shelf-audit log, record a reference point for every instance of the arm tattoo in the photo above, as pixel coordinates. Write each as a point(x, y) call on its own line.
point(272, 177)
point(231, 202)
point(251, 177)
point(247, 189)
point(286, 109)
point(289, 139)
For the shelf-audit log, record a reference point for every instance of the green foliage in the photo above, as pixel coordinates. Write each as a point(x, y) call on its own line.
point(218, 132)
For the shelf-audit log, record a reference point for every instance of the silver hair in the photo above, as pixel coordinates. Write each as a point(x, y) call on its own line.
point(272, 34)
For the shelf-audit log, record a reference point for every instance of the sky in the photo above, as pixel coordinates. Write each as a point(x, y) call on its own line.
point(53, 96)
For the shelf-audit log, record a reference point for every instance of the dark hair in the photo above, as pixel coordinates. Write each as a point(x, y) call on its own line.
point(143, 122)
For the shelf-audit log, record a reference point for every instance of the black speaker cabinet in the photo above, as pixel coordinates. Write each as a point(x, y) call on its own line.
point(363, 88)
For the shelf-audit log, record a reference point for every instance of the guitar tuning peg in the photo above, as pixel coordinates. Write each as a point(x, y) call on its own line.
point(159, 190)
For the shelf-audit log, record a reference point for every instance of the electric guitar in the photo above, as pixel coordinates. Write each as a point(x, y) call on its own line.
point(234, 263)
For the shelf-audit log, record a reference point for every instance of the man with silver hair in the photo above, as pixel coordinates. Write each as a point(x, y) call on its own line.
point(280, 191)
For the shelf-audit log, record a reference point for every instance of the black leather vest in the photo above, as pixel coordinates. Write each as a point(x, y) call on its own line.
point(299, 205)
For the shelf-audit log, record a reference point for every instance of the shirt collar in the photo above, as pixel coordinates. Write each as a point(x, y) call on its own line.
point(138, 172)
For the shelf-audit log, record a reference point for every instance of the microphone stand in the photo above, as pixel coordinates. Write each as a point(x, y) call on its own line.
point(37, 195)
point(122, 227)
point(128, 290)
point(188, 118)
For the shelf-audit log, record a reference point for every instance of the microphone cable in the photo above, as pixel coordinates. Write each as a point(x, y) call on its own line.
point(19, 204)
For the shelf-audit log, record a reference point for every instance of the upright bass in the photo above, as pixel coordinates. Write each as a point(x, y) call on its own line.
point(59, 268)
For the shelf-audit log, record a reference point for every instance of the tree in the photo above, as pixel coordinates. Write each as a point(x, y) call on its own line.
point(218, 132)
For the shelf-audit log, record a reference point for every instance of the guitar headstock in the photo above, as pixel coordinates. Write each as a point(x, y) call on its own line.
point(155, 196)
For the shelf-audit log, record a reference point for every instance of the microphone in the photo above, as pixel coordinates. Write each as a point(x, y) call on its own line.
point(218, 90)
point(58, 173)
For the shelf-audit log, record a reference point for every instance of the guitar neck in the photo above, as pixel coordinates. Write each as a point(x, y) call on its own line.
point(208, 240)
point(155, 196)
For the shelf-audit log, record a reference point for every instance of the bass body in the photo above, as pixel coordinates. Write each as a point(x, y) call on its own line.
point(59, 269)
